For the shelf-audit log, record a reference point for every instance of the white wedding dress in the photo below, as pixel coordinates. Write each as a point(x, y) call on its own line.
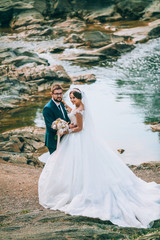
point(84, 177)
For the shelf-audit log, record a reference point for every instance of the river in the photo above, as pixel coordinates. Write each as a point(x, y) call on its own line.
point(126, 96)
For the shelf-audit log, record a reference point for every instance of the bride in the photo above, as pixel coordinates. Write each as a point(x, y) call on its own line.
point(84, 177)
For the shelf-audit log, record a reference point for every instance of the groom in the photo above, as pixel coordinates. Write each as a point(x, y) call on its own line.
point(52, 110)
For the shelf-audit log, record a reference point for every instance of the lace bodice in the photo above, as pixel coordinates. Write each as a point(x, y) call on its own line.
point(72, 115)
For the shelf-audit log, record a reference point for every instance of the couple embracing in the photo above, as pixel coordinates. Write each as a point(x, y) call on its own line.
point(85, 177)
point(56, 108)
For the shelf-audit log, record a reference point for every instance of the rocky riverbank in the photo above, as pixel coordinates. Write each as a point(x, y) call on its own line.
point(102, 30)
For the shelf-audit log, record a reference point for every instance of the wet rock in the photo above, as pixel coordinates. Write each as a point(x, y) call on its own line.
point(121, 151)
point(155, 32)
point(96, 38)
point(109, 50)
point(87, 78)
point(85, 58)
point(22, 60)
point(57, 49)
point(115, 49)
point(138, 34)
point(155, 127)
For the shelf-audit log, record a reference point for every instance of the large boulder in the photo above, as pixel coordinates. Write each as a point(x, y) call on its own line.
point(132, 9)
point(25, 18)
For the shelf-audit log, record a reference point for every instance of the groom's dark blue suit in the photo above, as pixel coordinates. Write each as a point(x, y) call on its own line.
point(51, 112)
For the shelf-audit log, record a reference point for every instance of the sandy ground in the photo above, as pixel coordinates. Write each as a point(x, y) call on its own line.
point(19, 185)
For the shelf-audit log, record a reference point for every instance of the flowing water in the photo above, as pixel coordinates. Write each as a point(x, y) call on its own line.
point(125, 97)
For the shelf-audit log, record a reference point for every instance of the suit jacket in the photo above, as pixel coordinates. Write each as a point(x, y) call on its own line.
point(51, 112)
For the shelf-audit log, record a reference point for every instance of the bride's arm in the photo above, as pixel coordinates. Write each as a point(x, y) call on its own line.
point(79, 125)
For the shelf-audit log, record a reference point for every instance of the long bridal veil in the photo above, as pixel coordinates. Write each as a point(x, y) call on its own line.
point(85, 177)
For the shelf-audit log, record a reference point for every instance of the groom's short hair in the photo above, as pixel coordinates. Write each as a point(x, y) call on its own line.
point(56, 86)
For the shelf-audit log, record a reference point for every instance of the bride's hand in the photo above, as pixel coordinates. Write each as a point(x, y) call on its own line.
point(71, 125)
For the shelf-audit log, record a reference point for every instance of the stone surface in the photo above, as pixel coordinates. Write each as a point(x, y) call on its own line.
point(155, 127)
point(132, 9)
point(23, 74)
point(95, 38)
point(22, 145)
point(87, 78)
point(140, 34)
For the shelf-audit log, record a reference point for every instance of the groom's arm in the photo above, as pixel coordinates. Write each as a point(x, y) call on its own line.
point(48, 117)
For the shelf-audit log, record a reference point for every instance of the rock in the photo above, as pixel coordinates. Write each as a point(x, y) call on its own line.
point(25, 18)
point(123, 47)
point(150, 236)
point(131, 9)
point(85, 58)
point(41, 6)
point(155, 127)
point(138, 34)
point(24, 142)
point(152, 10)
point(21, 84)
point(102, 14)
point(57, 49)
point(121, 151)
point(22, 60)
point(68, 26)
point(87, 78)
point(109, 50)
point(96, 38)
point(73, 38)
point(61, 73)
point(155, 32)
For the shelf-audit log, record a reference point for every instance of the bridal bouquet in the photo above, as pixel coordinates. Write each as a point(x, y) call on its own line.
point(61, 126)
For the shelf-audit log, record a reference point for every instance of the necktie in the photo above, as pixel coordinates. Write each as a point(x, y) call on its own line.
point(59, 107)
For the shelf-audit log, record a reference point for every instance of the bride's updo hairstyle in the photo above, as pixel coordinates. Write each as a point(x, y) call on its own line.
point(77, 93)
